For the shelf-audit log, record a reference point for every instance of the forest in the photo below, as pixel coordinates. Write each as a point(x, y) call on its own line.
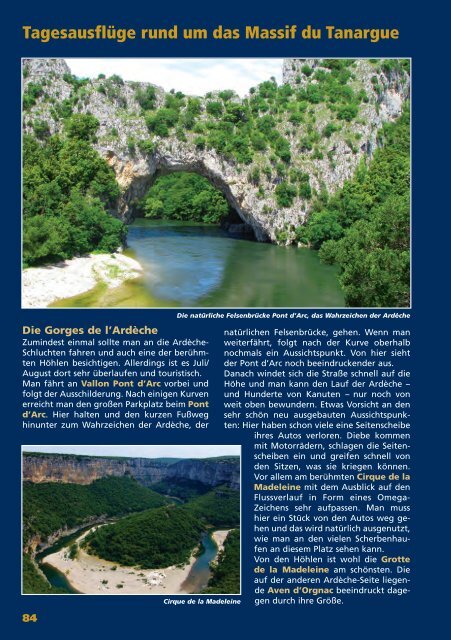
point(184, 196)
point(182, 488)
point(365, 226)
point(226, 572)
point(68, 194)
point(166, 536)
point(153, 539)
point(220, 507)
point(50, 506)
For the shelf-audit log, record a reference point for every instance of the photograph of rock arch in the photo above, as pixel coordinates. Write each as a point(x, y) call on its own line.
point(238, 183)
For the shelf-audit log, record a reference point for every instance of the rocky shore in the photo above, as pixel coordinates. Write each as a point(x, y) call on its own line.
point(43, 285)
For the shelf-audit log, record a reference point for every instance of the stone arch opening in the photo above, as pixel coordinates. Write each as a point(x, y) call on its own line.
point(231, 222)
point(138, 176)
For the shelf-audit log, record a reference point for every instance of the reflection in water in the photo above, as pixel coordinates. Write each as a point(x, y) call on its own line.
point(57, 579)
point(181, 263)
point(201, 266)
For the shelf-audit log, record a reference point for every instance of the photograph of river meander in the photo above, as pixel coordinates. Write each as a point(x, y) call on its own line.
point(145, 524)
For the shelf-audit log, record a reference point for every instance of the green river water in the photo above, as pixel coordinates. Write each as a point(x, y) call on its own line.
point(192, 265)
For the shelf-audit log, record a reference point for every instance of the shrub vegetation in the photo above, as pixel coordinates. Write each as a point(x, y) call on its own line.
point(184, 196)
point(67, 192)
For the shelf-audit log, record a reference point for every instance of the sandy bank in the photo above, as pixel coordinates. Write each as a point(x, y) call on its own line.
point(43, 285)
point(219, 537)
point(95, 576)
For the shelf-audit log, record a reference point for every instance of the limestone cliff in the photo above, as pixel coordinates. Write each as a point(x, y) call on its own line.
point(210, 472)
point(333, 158)
point(85, 469)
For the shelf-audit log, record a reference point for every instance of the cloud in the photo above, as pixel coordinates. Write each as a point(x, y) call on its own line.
point(193, 76)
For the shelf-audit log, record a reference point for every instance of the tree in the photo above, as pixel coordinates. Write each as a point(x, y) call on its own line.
point(285, 194)
point(153, 208)
point(41, 129)
point(215, 109)
point(146, 97)
point(161, 121)
point(323, 225)
point(82, 126)
point(184, 196)
point(365, 226)
point(375, 257)
point(67, 189)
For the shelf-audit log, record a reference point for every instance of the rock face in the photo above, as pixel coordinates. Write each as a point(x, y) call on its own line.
point(85, 469)
point(121, 120)
point(209, 472)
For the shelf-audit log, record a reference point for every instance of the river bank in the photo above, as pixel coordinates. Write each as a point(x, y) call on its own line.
point(219, 537)
point(92, 575)
point(41, 286)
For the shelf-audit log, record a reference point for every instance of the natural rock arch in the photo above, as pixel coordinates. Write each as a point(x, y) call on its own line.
point(385, 92)
point(135, 178)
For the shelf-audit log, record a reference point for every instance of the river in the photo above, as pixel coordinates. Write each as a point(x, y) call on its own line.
point(193, 265)
point(55, 577)
point(200, 572)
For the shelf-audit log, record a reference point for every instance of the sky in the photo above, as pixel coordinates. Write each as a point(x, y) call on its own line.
point(193, 76)
point(141, 451)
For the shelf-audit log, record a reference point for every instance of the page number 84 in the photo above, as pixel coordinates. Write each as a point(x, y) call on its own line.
point(29, 617)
